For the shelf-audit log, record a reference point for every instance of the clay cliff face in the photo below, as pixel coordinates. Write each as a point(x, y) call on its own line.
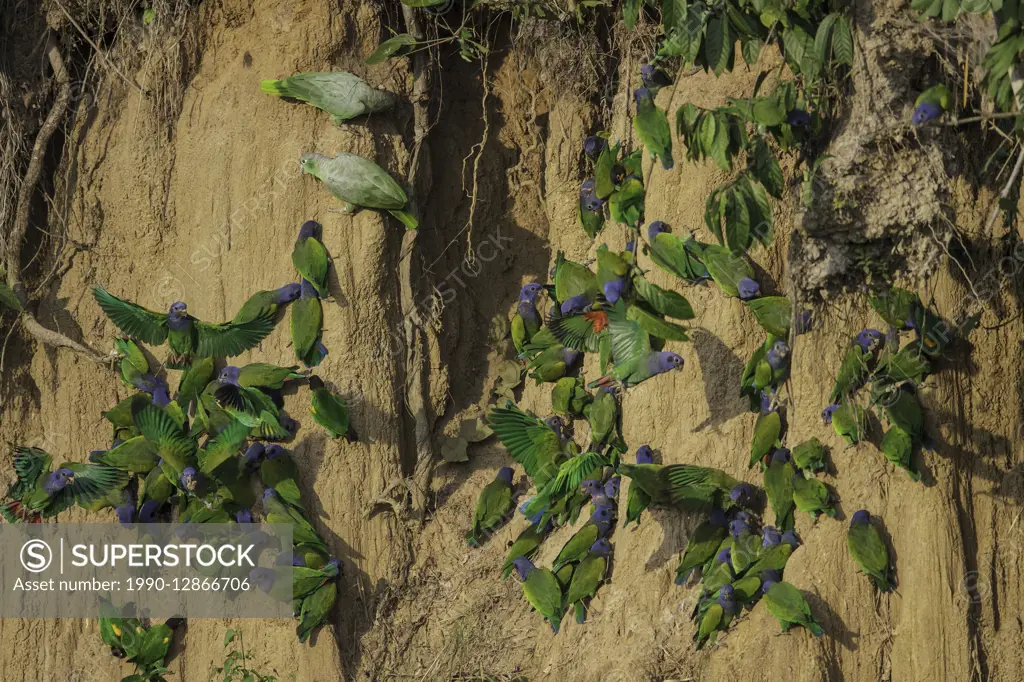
point(206, 211)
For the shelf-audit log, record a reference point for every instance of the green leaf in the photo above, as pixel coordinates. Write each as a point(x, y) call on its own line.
point(229, 636)
point(720, 143)
point(718, 45)
point(673, 15)
point(737, 220)
point(842, 42)
point(726, 268)
point(8, 298)
point(767, 169)
point(665, 301)
point(713, 214)
point(706, 133)
point(656, 326)
point(762, 222)
point(751, 50)
point(626, 205)
point(823, 37)
point(773, 313)
point(630, 13)
point(474, 430)
point(390, 48)
point(454, 450)
point(799, 49)
point(768, 111)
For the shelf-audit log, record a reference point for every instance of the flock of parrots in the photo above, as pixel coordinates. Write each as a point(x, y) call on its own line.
point(188, 454)
point(184, 456)
point(614, 311)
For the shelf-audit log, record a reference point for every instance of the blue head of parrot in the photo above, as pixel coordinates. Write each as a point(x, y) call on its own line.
point(229, 375)
point(868, 339)
point(125, 513)
point(791, 539)
point(147, 513)
point(602, 547)
point(592, 487)
point(243, 516)
point(593, 146)
point(738, 528)
point(58, 480)
point(718, 518)
point(308, 229)
point(826, 414)
point(644, 455)
point(724, 556)
point(742, 494)
point(924, 112)
point(798, 118)
point(771, 537)
point(860, 517)
point(529, 292)
point(263, 577)
point(614, 289)
point(656, 228)
point(289, 292)
point(524, 567)
point(505, 474)
point(748, 288)
point(780, 456)
point(275, 451)
point(611, 488)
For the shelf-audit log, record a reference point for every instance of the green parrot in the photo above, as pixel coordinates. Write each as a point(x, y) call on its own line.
point(676, 256)
point(551, 365)
point(682, 485)
point(492, 507)
point(651, 126)
point(359, 182)
point(717, 617)
point(135, 455)
point(613, 272)
point(329, 410)
point(703, 545)
point(526, 321)
point(564, 577)
point(869, 551)
point(8, 296)
point(287, 583)
point(156, 486)
point(590, 209)
point(849, 421)
point(526, 545)
point(265, 375)
point(542, 590)
point(771, 559)
point(309, 256)
point(266, 303)
point(931, 103)
point(193, 380)
point(134, 365)
point(303, 533)
point(812, 496)
point(341, 94)
point(188, 337)
point(39, 492)
point(778, 484)
point(898, 447)
point(933, 333)
point(531, 442)
point(809, 456)
point(315, 609)
point(569, 396)
point(278, 471)
point(307, 326)
point(250, 406)
point(576, 548)
point(634, 358)
point(903, 409)
point(587, 577)
point(719, 571)
point(637, 500)
point(767, 431)
point(746, 545)
point(853, 372)
point(789, 606)
point(603, 415)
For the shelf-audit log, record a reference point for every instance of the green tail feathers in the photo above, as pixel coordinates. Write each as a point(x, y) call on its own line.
point(581, 615)
point(814, 628)
point(406, 218)
point(272, 87)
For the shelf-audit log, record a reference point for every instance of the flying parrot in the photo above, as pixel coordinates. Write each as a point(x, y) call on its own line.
point(359, 182)
point(38, 492)
point(187, 336)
